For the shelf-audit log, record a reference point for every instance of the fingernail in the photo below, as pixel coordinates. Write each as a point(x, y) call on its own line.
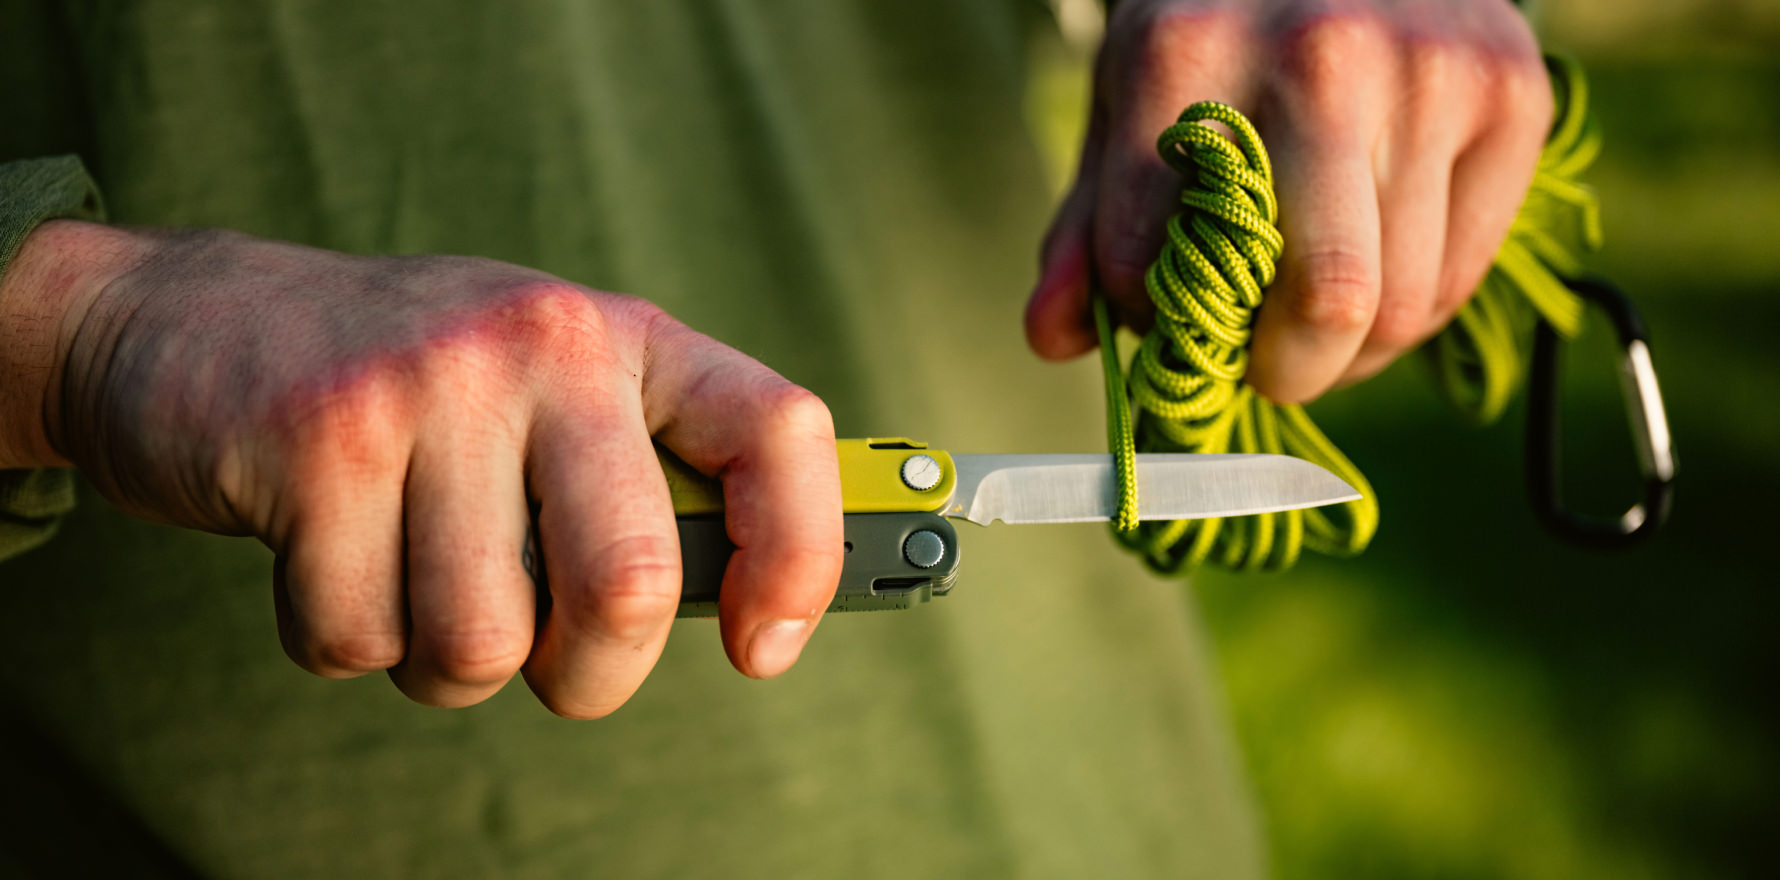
point(776, 646)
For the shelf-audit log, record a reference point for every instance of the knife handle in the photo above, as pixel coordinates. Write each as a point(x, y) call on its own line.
point(871, 479)
point(893, 561)
point(889, 564)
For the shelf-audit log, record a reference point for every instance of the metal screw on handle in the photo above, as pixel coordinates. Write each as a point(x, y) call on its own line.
point(924, 549)
point(921, 472)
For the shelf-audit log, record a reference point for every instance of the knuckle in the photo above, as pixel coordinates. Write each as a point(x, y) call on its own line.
point(1398, 327)
point(626, 614)
point(634, 588)
point(350, 653)
point(1429, 65)
point(1435, 104)
point(1162, 47)
point(1321, 53)
point(1337, 292)
point(354, 427)
point(1167, 36)
point(479, 656)
point(343, 424)
point(792, 410)
point(528, 329)
point(1525, 92)
point(542, 315)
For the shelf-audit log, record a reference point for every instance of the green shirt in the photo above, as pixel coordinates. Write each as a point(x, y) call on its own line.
point(844, 189)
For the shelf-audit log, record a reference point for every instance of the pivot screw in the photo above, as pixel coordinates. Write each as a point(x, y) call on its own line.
point(924, 549)
point(921, 472)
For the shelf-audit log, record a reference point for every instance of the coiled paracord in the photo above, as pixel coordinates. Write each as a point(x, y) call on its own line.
point(1184, 390)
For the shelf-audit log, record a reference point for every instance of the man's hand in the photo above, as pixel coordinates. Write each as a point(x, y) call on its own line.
point(1403, 134)
point(386, 425)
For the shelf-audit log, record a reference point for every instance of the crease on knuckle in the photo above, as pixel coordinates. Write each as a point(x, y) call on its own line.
point(1337, 292)
point(480, 655)
point(350, 653)
point(633, 589)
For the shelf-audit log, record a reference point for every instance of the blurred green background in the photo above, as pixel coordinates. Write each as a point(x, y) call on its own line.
point(1472, 698)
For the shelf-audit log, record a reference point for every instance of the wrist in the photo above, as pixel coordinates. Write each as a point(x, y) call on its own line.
point(45, 292)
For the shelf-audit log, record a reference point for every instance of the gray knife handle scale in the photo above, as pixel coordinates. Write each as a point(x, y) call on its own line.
point(878, 574)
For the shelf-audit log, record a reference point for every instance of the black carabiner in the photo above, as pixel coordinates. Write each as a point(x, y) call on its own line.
point(1644, 407)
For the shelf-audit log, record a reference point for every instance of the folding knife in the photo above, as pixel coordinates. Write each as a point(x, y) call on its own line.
point(898, 498)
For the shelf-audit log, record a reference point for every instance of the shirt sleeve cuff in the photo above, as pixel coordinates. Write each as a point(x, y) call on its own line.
point(32, 502)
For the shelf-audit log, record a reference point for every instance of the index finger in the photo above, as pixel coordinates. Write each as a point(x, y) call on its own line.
point(771, 443)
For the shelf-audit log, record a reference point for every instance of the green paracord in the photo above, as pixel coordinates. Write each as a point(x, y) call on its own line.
point(1184, 390)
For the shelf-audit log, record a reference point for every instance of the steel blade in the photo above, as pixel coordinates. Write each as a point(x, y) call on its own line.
point(1081, 488)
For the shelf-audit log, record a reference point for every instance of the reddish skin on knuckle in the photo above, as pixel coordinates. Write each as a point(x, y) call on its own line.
point(523, 333)
point(1171, 46)
point(551, 327)
point(1336, 293)
point(539, 312)
point(1318, 56)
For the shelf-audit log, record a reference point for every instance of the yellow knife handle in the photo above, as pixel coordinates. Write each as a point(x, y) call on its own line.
point(878, 475)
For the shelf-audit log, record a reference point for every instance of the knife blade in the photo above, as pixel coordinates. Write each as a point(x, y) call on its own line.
point(1082, 488)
